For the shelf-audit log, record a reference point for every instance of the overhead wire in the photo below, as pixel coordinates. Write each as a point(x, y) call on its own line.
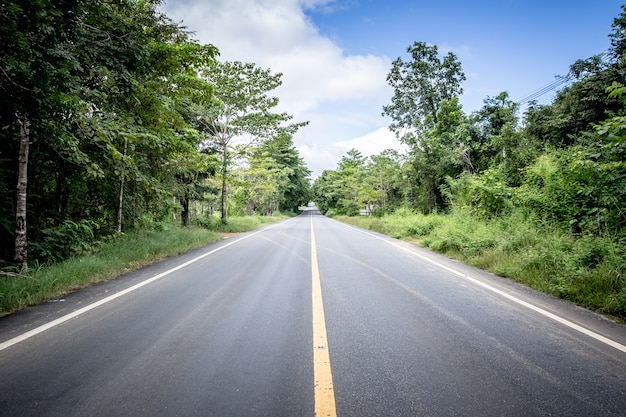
point(554, 85)
point(543, 90)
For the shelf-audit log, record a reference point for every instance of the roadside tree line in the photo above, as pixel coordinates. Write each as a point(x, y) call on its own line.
point(563, 164)
point(113, 117)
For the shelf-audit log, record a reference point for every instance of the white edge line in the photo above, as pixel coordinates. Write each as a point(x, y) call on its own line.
point(526, 304)
point(63, 319)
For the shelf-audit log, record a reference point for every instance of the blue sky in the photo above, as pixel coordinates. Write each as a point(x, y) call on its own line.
point(507, 45)
point(335, 54)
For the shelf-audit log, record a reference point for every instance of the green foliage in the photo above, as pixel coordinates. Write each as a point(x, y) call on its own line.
point(237, 224)
point(63, 241)
point(275, 178)
point(441, 152)
point(110, 91)
point(241, 114)
point(581, 189)
point(486, 195)
point(420, 86)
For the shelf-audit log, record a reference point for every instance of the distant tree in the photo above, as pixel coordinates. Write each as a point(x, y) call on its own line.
point(354, 191)
point(325, 191)
point(345, 190)
point(384, 176)
point(295, 191)
point(241, 113)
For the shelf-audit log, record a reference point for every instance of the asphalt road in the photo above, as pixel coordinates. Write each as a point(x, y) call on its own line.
point(286, 322)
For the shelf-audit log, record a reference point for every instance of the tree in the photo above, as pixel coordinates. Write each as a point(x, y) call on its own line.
point(37, 65)
point(618, 36)
point(100, 96)
point(420, 86)
point(325, 191)
point(241, 112)
point(497, 140)
point(295, 190)
point(384, 175)
point(352, 187)
point(440, 153)
point(261, 185)
point(344, 191)
point(141, 93)
point(577, 108)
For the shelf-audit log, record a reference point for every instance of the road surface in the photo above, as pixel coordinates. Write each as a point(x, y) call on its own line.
point(310, 317)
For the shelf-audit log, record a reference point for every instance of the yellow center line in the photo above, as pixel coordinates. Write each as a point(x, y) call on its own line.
point(324, 391)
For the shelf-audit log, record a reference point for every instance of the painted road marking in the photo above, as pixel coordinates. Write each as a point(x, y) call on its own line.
point(504, 294)
point(322, 375)
point(63, 319)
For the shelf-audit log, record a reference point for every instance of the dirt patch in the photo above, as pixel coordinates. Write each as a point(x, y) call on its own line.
point(226, 235)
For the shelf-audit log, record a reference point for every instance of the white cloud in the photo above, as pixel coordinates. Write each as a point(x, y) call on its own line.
point(340, 95)
point(371, 143)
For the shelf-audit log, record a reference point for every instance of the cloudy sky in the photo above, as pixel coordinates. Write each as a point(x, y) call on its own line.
point(335, 54)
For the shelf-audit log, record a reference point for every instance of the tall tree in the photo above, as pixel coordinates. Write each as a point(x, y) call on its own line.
point(420, 85)
point(241, 113)
point(37, 64)
point(497, 140)
point(441, 152)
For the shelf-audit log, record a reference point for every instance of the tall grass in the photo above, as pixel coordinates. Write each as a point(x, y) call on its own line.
point(587, 270)
point(124, 253)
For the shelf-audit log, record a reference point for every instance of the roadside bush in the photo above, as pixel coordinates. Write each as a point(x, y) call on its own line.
point(582, 189)
point(61, 242)
point(460, 233)
point(486, 195)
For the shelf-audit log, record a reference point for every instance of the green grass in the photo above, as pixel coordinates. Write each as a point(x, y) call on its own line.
point(126, 252)
point(239, 224)
point(589, 271)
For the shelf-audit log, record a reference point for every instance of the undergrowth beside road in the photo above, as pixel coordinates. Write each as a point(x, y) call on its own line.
point(587, 270)
point(123, 253)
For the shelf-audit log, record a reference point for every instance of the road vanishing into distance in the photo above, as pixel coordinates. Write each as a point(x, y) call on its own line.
point(310, 317)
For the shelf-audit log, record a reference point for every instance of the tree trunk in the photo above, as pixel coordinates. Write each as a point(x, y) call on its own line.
point(121, 193)
point(21, 239)
point(184, 215)
point(224, 170)
point(119, 205)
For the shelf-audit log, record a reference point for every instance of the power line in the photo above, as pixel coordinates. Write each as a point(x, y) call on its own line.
point(543, 90)
point(561, 80)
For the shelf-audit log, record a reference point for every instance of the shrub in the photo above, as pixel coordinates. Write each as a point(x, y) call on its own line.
point(61, 242)
point(486, 194)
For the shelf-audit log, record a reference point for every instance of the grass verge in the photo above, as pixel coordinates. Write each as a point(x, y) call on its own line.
point(124, 253)
point(589, 271)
